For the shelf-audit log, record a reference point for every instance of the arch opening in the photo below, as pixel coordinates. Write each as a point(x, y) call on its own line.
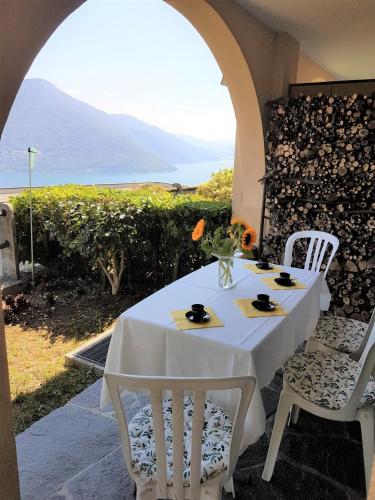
point(249, 157)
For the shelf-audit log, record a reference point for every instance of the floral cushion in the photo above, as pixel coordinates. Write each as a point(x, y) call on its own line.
point(341, 334)
point(326, 379)
point(216, 439)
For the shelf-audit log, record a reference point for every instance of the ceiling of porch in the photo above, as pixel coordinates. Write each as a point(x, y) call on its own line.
point(338, 34)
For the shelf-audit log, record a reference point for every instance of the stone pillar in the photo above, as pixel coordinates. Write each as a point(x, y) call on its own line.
point(9, 484)
point(8, 249)
point(285, 64)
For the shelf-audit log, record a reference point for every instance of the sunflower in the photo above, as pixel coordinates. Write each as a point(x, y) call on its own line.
point(235, 221)
point(198, 230)
point(249, 237)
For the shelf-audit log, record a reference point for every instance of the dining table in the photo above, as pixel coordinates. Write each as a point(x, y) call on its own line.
point(146, 340)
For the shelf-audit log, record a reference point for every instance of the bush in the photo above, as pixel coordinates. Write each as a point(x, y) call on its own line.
point(219, 187)
point(141, 235)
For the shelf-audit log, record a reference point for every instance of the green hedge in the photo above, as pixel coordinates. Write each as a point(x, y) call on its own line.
point(219, 186)
point(140, 237)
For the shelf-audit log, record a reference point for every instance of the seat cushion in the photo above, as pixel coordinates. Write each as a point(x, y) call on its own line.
point(326, 379)
point(342, 334)
point(216, 439)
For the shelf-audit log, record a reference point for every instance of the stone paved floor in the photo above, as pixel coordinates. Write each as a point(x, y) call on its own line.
point(74, 454)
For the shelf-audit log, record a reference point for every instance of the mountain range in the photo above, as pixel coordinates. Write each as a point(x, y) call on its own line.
point(71, 134)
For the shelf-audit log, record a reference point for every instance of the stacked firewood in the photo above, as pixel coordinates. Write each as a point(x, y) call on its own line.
point(320, 174)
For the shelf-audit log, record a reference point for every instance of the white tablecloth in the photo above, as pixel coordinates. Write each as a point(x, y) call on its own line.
point(146, 342)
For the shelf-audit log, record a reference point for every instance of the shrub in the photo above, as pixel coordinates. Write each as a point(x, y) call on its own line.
point(143, 235)
point(219, 186)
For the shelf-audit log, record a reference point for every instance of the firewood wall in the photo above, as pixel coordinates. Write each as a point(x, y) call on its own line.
point(320, 174)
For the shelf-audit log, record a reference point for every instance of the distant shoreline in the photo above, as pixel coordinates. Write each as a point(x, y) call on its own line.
point(187, 174)
point(6, 193)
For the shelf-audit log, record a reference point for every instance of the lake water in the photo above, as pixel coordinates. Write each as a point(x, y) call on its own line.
point(189, 174)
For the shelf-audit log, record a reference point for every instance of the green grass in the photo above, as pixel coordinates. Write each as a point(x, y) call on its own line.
point(38, 378)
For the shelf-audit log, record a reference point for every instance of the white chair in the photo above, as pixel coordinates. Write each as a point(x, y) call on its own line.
point(332, 386)
point(345, 335)
point(316, 252)
point(183, 446)
point(334, 334)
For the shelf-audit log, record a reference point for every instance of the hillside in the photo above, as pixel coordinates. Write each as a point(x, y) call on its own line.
point(70, 134)
point(224, 149)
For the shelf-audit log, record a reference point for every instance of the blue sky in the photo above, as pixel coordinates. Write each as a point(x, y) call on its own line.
point(139, 57)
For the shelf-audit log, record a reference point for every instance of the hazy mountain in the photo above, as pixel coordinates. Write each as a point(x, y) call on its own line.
point(170, 147)
point(70, 134)
point(223, 148)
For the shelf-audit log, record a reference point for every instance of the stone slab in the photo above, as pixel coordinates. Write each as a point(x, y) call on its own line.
point(289, 482)
point(270, 400)
point(90, 397)
point(106, 479)
point(74, 454)
point(59, 446)
point(333, 457)
point(276, 383)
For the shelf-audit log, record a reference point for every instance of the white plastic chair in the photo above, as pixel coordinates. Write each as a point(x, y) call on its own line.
point(330, 340)
point(160, 486)
point(355, 408)
point(316, 251)
point(345, 335)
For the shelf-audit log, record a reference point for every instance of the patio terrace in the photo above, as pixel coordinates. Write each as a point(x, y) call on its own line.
point(74, 453)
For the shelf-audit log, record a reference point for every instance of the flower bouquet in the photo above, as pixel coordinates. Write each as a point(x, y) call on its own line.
point(224, 243)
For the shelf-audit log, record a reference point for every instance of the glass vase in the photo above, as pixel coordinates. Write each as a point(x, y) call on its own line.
point(226, 271)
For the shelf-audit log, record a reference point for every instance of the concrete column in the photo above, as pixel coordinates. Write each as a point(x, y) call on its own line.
point(9, 484)
point(285, 64)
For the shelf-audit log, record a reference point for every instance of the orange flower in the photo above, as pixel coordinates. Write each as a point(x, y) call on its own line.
point(198, 230)
point(249, 237)
point(235, 221)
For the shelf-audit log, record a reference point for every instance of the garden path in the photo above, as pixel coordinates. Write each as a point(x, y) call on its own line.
point(74, 453)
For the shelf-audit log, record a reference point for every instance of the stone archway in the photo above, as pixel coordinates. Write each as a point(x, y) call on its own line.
point(257, 65)
point(41, 19)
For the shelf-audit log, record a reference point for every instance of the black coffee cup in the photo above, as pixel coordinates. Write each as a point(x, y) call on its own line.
point(263, 264)
point(263, 298)
point(198, 311)
point(285, 277)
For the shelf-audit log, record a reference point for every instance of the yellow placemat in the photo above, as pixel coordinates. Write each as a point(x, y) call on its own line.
point(183, 323)
point(275, 286)
point(250, 312)
point(255, 269)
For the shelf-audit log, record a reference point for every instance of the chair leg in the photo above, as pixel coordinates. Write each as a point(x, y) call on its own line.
point(277, 433)
point(293, 415)
point(366, 419)
point(146, 492)
point(229, 487)
point(308, 346)
point(211, 492)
